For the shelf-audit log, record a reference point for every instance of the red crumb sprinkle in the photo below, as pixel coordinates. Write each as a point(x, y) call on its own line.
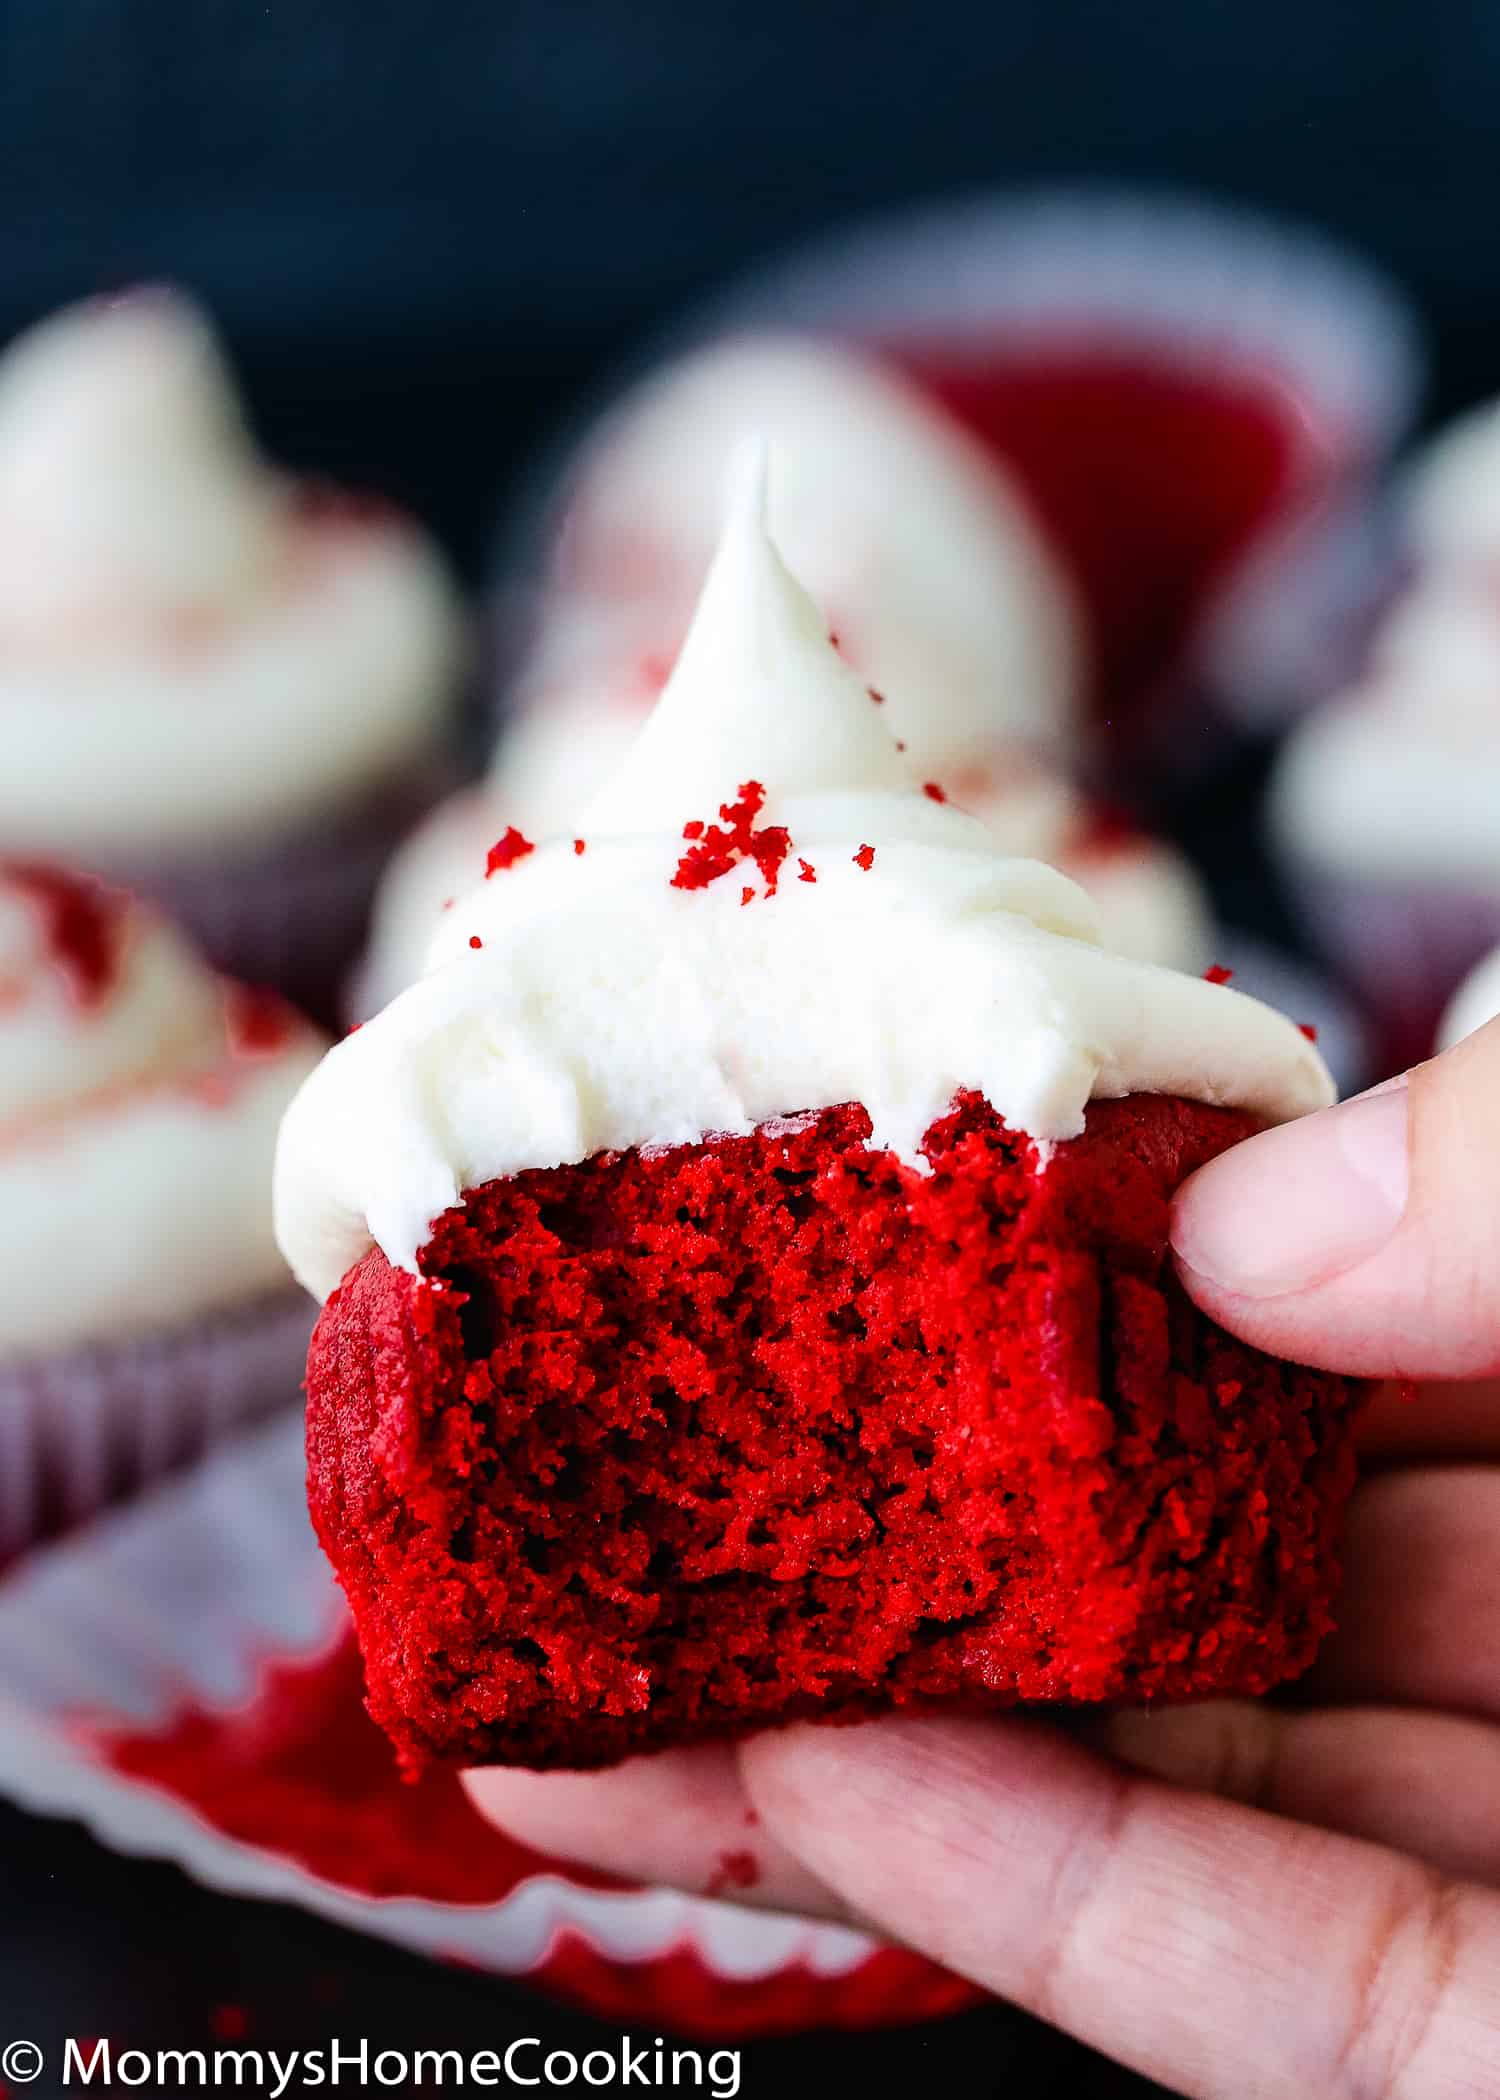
point(1308, 1029)
point(808, 873)
point(876, 695)
point(259, 1020)
point(579, 845)
point(82, 923)
point(933, 792)
point(230, 2023)
point(735, 1870)
point(475, 941)
point(506, 852)
point(747, 895)
point(865, 858)
point(1217, 974)
point(716, 848)
point(354, 1028)
point(900, 743)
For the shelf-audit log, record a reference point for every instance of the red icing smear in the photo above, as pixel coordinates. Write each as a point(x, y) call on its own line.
point(735, 1870)
point(83, 924)
point(1150, 479)
point(714, 849)
point(303, 1772)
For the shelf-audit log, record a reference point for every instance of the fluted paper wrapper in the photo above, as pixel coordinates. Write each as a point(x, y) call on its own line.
point(139, 1664)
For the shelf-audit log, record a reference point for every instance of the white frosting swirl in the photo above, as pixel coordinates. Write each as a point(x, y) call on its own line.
point(138, 1110)
point(190, 653)
point(1452, 507)
point(583, 1003)
point(1476, 1002)
point(918, 549)
point(1398, 780)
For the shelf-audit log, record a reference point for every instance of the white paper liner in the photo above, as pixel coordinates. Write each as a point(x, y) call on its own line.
point(81, 1426)
point(183, 1597)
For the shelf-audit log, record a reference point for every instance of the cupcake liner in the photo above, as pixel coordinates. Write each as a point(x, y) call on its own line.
point(1193, 398)
point(294, 914)
point(1404, 947)
point(83, 1427)
point(151, 1644)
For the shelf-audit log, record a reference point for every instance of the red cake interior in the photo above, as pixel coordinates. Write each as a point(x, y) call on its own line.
point(670, 1445)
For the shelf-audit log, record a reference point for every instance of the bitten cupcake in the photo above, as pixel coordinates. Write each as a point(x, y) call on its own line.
point(221, 686)
point(927, 567)
point(745, 1269)
point(143, 1303)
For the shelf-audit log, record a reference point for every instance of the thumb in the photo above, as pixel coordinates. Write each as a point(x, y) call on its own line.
point(1365, 1238)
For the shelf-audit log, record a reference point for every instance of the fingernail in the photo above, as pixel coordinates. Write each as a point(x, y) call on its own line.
point(1299, 1205)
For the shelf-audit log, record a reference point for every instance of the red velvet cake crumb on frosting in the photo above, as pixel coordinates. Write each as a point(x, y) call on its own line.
point(664, 1447)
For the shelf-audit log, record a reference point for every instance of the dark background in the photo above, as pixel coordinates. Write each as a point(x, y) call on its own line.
point(427, 227)
point(427, 230)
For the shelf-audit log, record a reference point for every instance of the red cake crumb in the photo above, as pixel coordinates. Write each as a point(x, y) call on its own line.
point(806, 871)
point(1217, 974)
point(714, 849)
point(933, 792)
point(735, 1870)
point(865, 858)
point(667, 1447)
point(579, 845)
point(506, 852)
point(877, 697)
point(83, 924)
point(1308, 1029)
point(475, 941)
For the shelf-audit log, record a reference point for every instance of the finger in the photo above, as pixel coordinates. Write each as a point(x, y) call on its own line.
point(682, 1817)
point(1365, 1238)
point(1427, 1784)
point(1431, 1421)
point(1227, 1953)
point(1419, 1613)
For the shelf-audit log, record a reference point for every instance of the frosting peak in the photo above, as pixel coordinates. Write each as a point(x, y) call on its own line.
point(582, 1001)
point(757, 690)
point(128, 481)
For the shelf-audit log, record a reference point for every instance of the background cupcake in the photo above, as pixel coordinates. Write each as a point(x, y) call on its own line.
point(221, 686)
point(142, 1300)
point(1383, 803)
point(925, 562)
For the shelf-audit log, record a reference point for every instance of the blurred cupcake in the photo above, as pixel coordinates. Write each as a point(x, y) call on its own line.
point(142, 1300)
point(221, 686)
point(1192, 401)
point(1383, 807)
point(1475, 1003)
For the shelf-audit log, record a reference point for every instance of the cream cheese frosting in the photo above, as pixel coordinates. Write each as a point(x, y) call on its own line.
point(139, 1101)
point(918, 549)
point(1452, 497)
point(1398, 780)
point(1151, 904)
point(1476, 1002)
point(192, 651)
point(667, 983)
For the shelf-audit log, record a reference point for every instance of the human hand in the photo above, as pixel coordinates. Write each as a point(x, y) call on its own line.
point(1237, 1898)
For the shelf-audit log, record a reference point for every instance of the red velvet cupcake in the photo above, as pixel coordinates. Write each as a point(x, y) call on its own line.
point(746, 1271)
